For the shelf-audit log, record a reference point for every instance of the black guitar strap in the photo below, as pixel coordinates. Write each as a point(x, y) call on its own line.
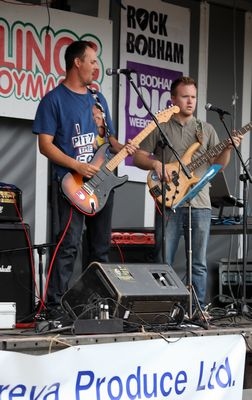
point(100, 107)
point(199, 131)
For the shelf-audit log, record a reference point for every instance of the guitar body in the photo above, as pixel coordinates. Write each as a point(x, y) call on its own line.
point(90, 196)
point(179, 185)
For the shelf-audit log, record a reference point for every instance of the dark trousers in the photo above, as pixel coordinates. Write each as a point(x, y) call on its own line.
point(97, 244)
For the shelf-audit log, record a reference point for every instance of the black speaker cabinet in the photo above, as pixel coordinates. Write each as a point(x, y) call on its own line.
point(16, 282)
point(134, 292)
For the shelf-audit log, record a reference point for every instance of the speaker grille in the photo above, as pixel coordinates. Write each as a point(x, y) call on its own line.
point(16, 283)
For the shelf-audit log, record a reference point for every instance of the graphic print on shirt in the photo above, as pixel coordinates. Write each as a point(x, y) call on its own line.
point(86, 144)
point(83, 144)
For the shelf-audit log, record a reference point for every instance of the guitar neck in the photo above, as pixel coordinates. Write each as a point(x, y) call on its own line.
point(122, 154)
point(216, 150)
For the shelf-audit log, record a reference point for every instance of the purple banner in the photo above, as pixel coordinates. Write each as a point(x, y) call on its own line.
point(154, 84)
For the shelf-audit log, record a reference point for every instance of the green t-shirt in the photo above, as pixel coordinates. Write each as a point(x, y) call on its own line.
point(184, 140)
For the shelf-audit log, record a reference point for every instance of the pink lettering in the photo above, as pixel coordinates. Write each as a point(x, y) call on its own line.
point(65, 41)
point(34, 88)
point(19, 78)
point(3, 62)
point(33, 51)
point(6, 86)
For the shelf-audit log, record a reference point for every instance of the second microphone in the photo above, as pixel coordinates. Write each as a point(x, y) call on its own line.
point(113, 71)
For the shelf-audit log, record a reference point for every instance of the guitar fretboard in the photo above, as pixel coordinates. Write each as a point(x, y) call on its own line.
point(216, 150)
point(164, 116)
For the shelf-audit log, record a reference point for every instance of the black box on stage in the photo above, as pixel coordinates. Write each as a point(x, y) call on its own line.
point(16, 280)
point(10, 203)
point(231, 281)
point(134, 292)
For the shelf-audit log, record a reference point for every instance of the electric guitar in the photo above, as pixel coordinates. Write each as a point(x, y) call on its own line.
point(90, 196)
point(179, 184)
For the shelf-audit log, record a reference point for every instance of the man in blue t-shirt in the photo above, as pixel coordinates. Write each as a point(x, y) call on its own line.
point(72, 121)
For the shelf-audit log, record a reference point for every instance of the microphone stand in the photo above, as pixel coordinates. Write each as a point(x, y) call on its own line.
point(164, 142)
point(209, 174)
point(245, 177)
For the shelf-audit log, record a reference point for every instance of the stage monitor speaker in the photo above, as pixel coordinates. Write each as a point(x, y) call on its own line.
point(16, 282)
point(134, 292)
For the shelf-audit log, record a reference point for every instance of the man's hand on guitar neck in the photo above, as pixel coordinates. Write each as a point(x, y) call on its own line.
point(116, 146)
point(131, 147)
point(224, 156)
point(236, 139)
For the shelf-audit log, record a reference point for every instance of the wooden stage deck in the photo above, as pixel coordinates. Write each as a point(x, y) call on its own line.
point(39, 339)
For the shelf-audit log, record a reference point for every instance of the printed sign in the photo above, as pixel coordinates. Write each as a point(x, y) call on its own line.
point(179, 369)
point(155, 46)
point(32, 51)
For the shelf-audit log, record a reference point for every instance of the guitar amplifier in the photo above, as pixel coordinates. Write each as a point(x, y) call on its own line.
point(10, 203)
point(231, 281)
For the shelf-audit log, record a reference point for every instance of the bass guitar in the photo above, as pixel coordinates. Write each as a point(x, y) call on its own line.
point(90, 196)
point(179, 184)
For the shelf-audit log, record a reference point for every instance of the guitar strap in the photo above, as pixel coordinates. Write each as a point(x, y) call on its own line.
point(100, 107)
point(199, 131)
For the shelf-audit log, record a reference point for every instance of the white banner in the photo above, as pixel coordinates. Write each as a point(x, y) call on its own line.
point(32, 45)
point(154, 43)
point(198, 368)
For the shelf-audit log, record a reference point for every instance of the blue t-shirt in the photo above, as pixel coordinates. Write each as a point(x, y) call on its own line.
point(68, 117)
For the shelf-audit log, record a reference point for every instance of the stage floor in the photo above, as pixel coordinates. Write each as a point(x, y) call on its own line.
point(42, 338)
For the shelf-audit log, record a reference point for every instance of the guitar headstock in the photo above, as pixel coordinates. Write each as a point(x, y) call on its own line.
point(165, 115)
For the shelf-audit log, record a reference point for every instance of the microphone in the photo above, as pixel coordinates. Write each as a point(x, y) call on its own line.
point(125, 71)
point(210, 107)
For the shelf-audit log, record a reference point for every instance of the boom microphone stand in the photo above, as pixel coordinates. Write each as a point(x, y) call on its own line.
point(245, 177)
point(164, 142)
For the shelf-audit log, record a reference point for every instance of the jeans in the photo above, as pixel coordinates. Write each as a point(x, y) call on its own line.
point(176, 225)
point(98, 239)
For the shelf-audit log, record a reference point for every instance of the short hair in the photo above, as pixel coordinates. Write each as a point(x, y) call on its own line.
point(185, 80)
point(76, 49)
